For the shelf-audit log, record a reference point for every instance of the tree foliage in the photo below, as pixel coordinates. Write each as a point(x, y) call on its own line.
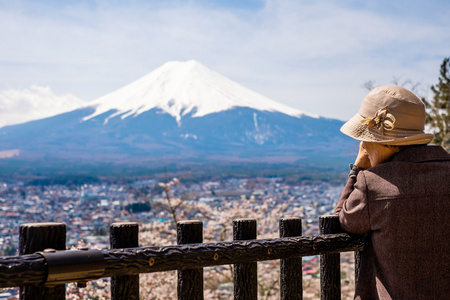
point(438, 108)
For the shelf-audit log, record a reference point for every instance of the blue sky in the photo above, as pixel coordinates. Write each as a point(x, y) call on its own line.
point(312, 55)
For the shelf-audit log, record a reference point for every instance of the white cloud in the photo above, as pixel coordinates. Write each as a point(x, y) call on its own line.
point(313, 55)
point(36, 102)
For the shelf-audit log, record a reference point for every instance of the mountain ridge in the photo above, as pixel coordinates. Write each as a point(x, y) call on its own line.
point(135, 135)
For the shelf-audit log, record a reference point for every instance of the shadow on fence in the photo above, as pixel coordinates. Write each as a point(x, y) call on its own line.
point(43, 266)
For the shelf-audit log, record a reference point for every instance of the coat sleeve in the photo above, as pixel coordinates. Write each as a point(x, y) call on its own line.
point(353, 207)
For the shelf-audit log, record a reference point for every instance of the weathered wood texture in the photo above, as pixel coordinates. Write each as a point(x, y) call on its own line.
point(35, 237)
point(124, 235)
point(132, 261)
point(20, 270)
point(357, 264)
point(190, 282)
point(330, 266)
point(291, 268)
point(245, 274)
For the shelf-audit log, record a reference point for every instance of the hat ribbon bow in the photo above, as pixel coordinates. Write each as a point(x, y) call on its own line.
point(381, 122)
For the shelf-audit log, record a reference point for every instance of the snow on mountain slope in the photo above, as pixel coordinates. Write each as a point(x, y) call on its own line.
point(218, 120)
point(181, 88)
point(36, 102)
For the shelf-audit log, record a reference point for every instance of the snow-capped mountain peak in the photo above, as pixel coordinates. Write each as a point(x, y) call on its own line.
point(180, 88)
point(219, 121)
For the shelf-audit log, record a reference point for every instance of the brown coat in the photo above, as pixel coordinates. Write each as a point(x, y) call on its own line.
point(404, 206)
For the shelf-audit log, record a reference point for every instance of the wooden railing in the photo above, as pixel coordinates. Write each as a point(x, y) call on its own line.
point(43, 265)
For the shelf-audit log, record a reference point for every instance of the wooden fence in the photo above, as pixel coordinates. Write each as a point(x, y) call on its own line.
point(43, 266)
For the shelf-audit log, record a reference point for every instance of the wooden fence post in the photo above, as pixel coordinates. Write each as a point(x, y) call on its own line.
point(124, 235)
point(245, 275)
point(35, 237)
point(190, 282)
point(330, 265)
point(291, 285)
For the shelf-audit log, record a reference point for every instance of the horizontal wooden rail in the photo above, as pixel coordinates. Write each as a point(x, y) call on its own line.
point(31, 269)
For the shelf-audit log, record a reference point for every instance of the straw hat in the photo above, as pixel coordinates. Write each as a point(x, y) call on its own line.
point(389, 115)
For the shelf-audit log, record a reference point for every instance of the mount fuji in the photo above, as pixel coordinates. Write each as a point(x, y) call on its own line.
point(184, 88)
point(180, 112)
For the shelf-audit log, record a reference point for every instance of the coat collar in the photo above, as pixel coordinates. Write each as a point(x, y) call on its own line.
point(421, 153)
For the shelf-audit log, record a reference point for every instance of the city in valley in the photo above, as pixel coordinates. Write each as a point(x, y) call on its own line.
point(88, 207)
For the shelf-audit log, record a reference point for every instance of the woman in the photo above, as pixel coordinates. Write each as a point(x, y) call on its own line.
point(398, 192)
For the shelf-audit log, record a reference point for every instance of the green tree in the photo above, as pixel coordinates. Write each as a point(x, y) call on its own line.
point(438, 108)
point(10, 250)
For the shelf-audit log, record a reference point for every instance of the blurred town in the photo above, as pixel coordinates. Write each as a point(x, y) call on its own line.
point(88, 209)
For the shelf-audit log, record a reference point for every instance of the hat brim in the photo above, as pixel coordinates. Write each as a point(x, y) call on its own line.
point(355, 129)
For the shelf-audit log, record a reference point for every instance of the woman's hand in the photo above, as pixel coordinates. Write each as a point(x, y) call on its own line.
point(362, 160)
